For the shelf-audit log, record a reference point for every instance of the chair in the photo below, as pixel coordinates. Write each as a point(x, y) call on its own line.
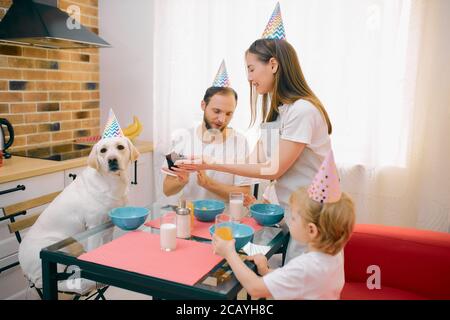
point(414, 264)
point(12, 211)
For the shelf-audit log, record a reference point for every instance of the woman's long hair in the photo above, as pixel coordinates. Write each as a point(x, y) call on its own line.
point(290, 84)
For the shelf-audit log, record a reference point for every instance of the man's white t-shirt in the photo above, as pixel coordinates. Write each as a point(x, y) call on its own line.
point(298, 122)
point(233, 150)
point(310, 276)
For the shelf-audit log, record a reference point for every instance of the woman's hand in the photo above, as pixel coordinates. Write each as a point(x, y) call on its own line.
point(260, 262)
point(222, 247)
point(195, 163)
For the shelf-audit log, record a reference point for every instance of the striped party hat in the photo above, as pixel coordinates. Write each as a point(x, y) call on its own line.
point(221, 79)
point(112, 127)
point(275, 27)
point(325, 186)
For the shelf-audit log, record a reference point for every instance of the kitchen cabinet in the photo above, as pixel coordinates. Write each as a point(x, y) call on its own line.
point(12, 281)
point(34, 187)
point(71, 174)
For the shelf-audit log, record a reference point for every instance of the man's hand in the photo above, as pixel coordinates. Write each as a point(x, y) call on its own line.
point(182, 176)
point(203, 180)
point(260, 262)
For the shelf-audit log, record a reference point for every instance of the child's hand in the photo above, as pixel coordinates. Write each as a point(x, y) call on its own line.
point(223, 247)
point(261, 263)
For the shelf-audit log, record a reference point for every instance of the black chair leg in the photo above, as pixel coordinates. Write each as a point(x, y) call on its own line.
point(97, 295)
point(39, 292)
point(284, 250)
point(100, 293)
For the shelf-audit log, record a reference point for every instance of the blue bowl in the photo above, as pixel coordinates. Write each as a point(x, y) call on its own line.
point(128, 218)
point(242, 233)
point(207, 210)
point(267, 214)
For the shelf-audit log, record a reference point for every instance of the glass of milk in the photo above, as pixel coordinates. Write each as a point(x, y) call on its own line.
point(168, 231)
point(236, 205)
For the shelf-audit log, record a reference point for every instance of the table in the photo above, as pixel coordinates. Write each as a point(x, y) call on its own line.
point(59, 253)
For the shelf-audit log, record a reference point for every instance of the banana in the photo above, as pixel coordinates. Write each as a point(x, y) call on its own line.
point(134, 130)
point(136, 133)
point(131, 128)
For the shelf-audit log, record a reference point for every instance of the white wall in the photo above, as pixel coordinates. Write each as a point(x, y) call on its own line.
point(126, 70)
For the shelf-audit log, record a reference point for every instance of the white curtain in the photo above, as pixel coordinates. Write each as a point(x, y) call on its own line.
point(377, 65)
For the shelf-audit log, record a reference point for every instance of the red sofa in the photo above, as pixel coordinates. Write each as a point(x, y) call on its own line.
point(414, 264)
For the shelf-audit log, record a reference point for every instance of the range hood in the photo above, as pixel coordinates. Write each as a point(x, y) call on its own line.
point(40, 23)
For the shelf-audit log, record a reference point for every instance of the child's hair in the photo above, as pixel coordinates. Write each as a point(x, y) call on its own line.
point(334, 221)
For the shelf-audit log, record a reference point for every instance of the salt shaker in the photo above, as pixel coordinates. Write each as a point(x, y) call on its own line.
point(183, 223)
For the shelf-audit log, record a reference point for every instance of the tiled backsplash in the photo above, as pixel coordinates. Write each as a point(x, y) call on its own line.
point(51, 96)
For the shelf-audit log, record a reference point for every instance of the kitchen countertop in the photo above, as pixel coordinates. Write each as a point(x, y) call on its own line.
point(17, 168)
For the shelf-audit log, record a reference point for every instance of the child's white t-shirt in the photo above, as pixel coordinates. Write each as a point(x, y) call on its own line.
point(310, 276)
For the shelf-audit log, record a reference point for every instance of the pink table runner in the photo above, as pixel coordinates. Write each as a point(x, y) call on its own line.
point(201, 229)
point(140, 252)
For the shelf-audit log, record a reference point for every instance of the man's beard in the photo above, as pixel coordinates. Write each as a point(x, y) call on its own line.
point(209, 126)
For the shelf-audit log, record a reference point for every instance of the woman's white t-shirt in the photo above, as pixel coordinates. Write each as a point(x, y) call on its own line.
point(298, 122)
point(302, 122)
point(312, 275)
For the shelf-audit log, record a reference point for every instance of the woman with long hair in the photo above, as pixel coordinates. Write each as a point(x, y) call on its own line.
point(292, 112)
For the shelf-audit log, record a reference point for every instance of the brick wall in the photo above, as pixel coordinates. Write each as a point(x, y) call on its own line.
point(51, 96)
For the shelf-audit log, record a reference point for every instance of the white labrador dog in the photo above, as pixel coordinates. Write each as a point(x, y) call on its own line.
point(84, 204)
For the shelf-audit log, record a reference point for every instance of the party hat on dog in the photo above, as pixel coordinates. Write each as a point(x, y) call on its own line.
point(221, 79)
point(112, 127)
point(275, 27)
point(325, 187)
